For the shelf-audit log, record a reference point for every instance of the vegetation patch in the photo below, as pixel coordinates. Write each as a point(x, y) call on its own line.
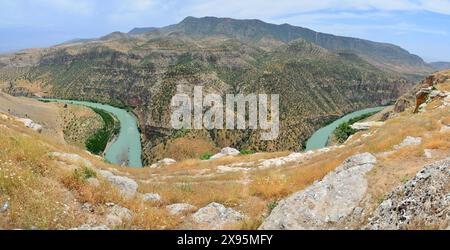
point(344, 131)
point(97, 143)
point(206, 156)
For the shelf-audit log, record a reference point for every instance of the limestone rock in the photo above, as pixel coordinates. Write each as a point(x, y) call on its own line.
point(226, 152)
point(127, 186)
point(366, 125)
point(429, 153)
point(73, 158)
point(422, 202)
point(326, 202)
point(163, 163)
point(117, 215)
point(86, 227)
point(151, 197)
point(31, 124)
point(229, 169)
point(280, 161)
point(409, 141)
point(179, 208)
point(216, 216)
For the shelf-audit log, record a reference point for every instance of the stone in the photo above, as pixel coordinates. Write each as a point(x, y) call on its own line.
point(73, 158)
point(117, 215)
point(163, 163)
point(4, 207)
point(179, 208)
point(226, 152)
point(327, 202)
point(30, 124)
point(280, 161)
point(151, 197)
point(86, 227)
point(421, 97)
point(401, 105)
point(429, 153)
point(420, 203)
point(128, 187)
point(229, 169)
point(409, 141)
point(216, 216)
point(366, 125)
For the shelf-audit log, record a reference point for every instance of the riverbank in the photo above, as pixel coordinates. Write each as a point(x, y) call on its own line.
point(126, 149)
point(321, 137)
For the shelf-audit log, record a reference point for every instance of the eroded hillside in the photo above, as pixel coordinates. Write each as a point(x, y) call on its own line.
point(316, 85)
point(389, 176)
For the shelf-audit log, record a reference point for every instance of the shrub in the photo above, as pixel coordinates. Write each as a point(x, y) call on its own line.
point(84, 173)
point(206, 156)
point(247, 152)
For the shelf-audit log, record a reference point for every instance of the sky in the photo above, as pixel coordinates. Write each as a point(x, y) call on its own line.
point(420, 26)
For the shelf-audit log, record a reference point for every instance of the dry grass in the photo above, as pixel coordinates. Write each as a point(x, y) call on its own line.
point(26, 182)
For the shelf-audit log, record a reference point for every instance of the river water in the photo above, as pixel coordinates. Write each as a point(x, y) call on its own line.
point(126, 148)
point(320, 138)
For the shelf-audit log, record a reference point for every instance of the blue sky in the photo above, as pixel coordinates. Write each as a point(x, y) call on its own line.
point(420, 26)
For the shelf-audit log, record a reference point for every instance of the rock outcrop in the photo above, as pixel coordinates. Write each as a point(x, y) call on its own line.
point(31, 124)
point(151, 197)
point(117, 215)
point(366, 125)
point(72, 158)
point(179, 208)
point(226, 152)
point(409, 141)
point(327, 202)
point(127, 186)
point(216, 216)
point(163, 163)
point(421, 203)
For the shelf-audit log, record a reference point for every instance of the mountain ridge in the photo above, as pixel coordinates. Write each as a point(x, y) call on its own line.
point(251, 30)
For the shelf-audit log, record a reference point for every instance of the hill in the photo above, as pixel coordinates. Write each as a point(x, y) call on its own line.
point(440, 65)
point(318, 80)
point(383, 55)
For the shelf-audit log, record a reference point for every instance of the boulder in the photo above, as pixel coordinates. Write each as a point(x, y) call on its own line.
point(151, 197)
point(127, 186)
point(401, 105)
point(86, 227)
point(421, 97)
point(31, 124)
point(73, 158)
point(421, 203)
point(366, 125)
point(226, 152)
point(280, 161)
point(409, 141)
point(163, 163)
point(229, 169)
point(429, 153)
point(216, 216)
point(117, 215)
point(179, 208)
point(327, 202)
